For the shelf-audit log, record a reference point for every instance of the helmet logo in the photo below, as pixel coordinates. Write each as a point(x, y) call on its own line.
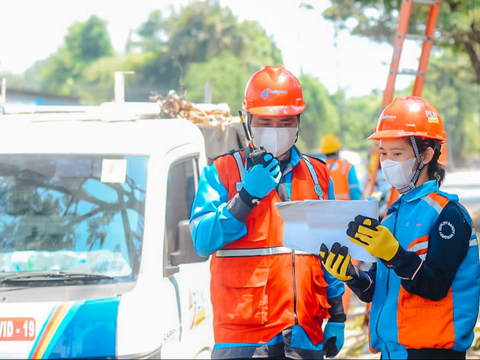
point(264, 94)
point(432, 116)
point(389, 117)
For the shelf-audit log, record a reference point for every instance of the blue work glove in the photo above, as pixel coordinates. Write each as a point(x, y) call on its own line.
point(333, 338)
point(260, 180)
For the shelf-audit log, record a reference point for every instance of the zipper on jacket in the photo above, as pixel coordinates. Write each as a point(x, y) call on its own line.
point(388, 279)
point(294, 289)
point(379, 314)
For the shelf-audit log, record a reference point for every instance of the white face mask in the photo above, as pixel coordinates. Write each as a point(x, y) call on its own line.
point(398, 173)
point(275, 140)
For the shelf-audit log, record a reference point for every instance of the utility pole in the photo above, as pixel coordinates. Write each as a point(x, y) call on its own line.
point(119, 86)
point(447, 123)
point(3, 96)
point(340, 94)
point(207, 93)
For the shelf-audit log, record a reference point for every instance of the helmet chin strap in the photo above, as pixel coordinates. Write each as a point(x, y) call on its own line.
point(411, 185)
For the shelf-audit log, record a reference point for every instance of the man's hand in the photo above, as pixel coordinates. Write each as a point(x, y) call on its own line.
point(337, 262)
point(333, 338)
point(375, 238)
point(260, 180)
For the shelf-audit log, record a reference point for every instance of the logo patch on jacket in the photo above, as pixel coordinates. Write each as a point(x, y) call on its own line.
point(446, 230)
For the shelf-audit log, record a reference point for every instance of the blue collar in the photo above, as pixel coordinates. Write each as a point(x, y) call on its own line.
point(415, 194)
point(295, 156)
point(421, 191)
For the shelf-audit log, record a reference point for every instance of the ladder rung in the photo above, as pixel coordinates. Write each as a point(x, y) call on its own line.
point(430, 2)
point(411, 72)
point(418, 37)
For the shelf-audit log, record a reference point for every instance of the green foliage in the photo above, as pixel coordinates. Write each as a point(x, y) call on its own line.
point(259, 48)
point(58, 72)
point(360, 118)
point(458, 26)
point(84, 43)
point(14, 81)
point(227, 77)
point(153, 32)
point(195, 33)
point(320, 116)
point(88, 41)
point(161, 51)
point(96, 84)
point(453, 71)
point(451, 87)
point(203, 30)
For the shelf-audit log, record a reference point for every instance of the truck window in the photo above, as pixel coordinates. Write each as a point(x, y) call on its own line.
point(182, 185)
point(81, 213)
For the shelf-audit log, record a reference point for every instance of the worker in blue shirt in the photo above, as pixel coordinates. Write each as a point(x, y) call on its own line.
point(425, 287)
point(268, 301)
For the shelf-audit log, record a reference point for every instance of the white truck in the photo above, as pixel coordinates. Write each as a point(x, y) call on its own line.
point(96, 256)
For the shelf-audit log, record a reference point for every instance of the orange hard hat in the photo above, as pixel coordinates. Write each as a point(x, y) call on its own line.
point(409, 116)
point(273, 91)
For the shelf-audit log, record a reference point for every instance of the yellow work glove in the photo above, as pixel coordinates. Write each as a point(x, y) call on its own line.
point(337, 262)
point(375, 238)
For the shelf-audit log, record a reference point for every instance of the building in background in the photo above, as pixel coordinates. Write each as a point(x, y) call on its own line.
point(29, 97)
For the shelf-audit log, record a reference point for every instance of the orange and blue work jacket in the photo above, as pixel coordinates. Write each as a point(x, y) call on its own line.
point(259, 288)
point(344, 179)
point(429, 300)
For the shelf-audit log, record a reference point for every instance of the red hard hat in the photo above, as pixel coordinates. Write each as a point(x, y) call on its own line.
point(273, 91)
point(409, 116)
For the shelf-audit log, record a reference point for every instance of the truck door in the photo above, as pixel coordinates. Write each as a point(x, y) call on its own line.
point(188, 272)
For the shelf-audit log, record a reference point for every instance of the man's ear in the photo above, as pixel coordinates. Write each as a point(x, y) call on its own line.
point(427, 155)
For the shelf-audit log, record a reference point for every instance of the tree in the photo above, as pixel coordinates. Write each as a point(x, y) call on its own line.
point(97, 82)
point(161, 51)
point(196, 34)
point(360, 116)
point(88, 41)
point(226, 75)
point(458, 24)
point(259, 48)
point(84, 43)
point(153, 32)
point(450, 86)
point(319, 118)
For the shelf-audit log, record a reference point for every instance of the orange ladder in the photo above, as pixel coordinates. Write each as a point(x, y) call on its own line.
point(400, 35)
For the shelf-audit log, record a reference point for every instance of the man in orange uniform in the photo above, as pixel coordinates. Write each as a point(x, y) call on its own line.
point(268, 301)
point(342, 172)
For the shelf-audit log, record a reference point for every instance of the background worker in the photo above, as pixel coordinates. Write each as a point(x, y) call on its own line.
point(342, 172)
point(268, 301)
point(425, 287)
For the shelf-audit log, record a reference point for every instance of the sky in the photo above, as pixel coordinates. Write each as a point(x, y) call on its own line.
point(31, 30)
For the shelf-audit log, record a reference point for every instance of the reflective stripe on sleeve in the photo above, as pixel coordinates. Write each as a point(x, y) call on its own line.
point(239, 160)
point(276, 250)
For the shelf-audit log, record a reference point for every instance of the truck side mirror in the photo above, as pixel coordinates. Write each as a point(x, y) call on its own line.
point(185, 254)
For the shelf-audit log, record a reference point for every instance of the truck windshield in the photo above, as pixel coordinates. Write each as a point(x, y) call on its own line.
point(70, 213)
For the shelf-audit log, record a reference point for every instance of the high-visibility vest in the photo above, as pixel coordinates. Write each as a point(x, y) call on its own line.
point(420, 322)
point(339, 173)
point(259, 287)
